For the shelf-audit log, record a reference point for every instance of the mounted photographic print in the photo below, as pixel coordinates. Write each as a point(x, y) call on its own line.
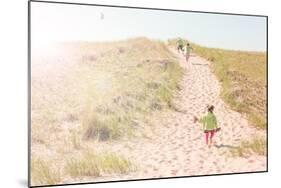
point(127, 93)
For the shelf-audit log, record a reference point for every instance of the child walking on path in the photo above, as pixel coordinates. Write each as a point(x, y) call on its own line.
point(187, 51)
point(180, 45)
point(210, 126)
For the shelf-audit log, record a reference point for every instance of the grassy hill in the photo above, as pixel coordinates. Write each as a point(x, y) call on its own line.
point(95, 92)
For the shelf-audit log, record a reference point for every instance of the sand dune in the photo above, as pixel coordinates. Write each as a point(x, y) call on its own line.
point(163, 143)
point(176, 145)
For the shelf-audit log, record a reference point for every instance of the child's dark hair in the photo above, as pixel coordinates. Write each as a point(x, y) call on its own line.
point(211, 108)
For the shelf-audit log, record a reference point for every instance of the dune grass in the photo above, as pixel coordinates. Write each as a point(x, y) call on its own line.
point(44, 173)
point(129, 81)
point(256, 146)
point(110, 87)
point(86, 163)
point(92, 164)
point(96, 92)
point(75, 140)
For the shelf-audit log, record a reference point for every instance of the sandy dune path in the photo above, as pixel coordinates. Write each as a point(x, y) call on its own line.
point(177, 147)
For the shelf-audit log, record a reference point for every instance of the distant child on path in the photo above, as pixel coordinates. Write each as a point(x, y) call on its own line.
point(209, 125)
point(188, 49)
point(180, 45)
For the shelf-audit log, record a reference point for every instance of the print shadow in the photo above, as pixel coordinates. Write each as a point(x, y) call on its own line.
point(23, 182)
point(225, 146)
point(199, 64)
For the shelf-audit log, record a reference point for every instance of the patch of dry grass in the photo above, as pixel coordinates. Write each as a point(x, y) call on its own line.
point(44, 173)
point(92, 164)
point(256, 146)
point(85, 163)
point(131, 79)
point(75, 140)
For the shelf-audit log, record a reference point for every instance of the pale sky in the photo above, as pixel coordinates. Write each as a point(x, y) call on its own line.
point(52, 23)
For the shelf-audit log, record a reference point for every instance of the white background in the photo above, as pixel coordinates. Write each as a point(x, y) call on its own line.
point(13, 99)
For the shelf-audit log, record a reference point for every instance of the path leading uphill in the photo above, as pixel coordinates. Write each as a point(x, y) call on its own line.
point(177, 148)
